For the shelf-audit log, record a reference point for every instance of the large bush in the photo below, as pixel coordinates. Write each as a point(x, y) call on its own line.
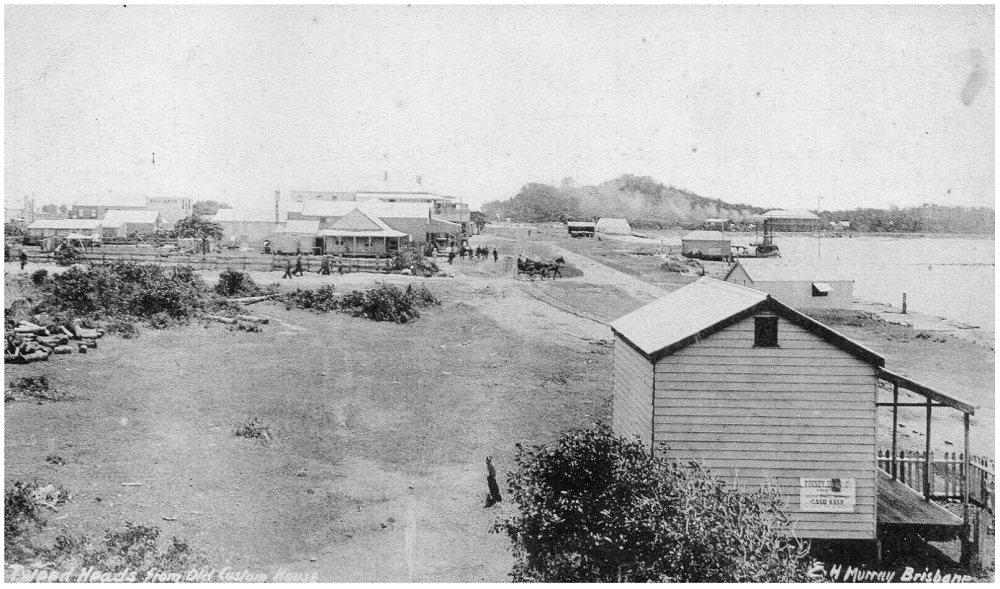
point(128, 289)
point(385, 302)
point(234, 283)
point(597, 508)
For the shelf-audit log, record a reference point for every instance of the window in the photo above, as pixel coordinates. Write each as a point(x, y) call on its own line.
point(821, 289)
point(765, 332)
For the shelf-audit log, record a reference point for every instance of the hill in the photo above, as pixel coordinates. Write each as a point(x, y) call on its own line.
point(642, 200)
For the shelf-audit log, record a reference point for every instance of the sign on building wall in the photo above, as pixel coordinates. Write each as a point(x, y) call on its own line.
point(827, 495)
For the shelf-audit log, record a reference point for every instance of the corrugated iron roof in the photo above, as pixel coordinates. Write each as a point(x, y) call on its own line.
point(301, 227)
point(117, 218)
point(799, 214)
point(777, 270)
point(66, 224)
point(684, 313)
point(706, 236)
point(610, 225)
point(707, 305)
point(244, 216)
point(348, 233)
point(359, 220)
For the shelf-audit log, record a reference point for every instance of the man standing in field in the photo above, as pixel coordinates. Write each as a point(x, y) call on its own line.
point(288, 269)
point(495, 256)
point(298, 266)
point(23, 256)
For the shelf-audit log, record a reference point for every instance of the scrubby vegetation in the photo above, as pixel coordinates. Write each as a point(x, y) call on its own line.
point(253, 428)
point(132, 552)
point(597, 508)
point(233, 283)
point(120, 294)
point(36, 387)
point(385, 302)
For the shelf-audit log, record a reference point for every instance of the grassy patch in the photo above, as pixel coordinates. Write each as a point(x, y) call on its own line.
point(254, 429)
point(36, 387)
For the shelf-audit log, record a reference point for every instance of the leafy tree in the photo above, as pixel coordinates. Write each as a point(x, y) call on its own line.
point(50, 209)
point(207, 208)
point(11, 229)
point(198, 228)
point(597, 508)
point(478, 219)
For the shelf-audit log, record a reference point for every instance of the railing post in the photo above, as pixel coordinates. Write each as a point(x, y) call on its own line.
point(966, 483)
point(927, 455)
point(895, 425)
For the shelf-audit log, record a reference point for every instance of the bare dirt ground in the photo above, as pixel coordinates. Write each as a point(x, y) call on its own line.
point(380, 431)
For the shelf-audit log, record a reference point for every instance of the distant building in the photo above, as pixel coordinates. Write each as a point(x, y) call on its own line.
point(96, 209)
point(360, 233)
point(800, 286)
point(124, 223)
point(60, 227)
point(171, 209)
point(716, 224)
point(792, 220)
point(296, 236)
point(706, 245)
point(411, 218)
point(613, 226)
point(580, 228)
point(245, 226)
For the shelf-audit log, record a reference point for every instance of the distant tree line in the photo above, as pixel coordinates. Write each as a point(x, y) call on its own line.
point(647, 203)
point(923, 219)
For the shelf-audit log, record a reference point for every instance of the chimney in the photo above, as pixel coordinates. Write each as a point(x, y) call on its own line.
point(277, 215)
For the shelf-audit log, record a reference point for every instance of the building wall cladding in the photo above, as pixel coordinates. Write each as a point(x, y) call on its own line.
point(711, 248)
point(633, 393)
point(252, 233)
point(763, 416)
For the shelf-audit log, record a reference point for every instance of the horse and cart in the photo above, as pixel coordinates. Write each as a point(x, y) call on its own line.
point(543, 269)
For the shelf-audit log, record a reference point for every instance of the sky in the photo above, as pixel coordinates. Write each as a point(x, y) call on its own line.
point(781, 106)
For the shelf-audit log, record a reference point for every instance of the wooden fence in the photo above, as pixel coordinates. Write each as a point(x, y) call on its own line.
point(252, 262)
point(947, 475)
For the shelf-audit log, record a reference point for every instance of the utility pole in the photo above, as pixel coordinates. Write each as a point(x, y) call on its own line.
point(819, 241)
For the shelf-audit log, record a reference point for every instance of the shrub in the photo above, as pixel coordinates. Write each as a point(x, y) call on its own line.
point(118, 289)
point(39, 276)
point(235, 283)
point(253, 428)
point(122, 327)
point(21, 515)
point(595, 507)
point(37, 387)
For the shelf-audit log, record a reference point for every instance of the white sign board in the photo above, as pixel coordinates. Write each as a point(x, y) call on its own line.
point(829, 495)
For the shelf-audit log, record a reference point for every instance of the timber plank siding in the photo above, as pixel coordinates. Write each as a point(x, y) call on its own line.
point(633, 393)
point(753, 416)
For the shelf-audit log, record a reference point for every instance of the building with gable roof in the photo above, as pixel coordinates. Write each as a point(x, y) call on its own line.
point(763, 395)
point(801, 286)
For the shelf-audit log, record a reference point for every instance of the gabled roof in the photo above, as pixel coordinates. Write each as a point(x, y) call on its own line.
point(609, 224)
point(83, 224)
point(698, 310)
point(300, 227)
point(706, 236)
point(358, 220)
point(776, 270)
point(244, 216)
point(117, 218)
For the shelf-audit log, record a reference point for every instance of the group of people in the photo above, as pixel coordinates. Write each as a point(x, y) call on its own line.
point(481, 252)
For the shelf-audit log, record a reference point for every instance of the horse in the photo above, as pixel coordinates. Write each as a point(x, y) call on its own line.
point(529, 267)
point(551, 269)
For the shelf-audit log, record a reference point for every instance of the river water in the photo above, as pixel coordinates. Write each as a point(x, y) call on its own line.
point(947, 277)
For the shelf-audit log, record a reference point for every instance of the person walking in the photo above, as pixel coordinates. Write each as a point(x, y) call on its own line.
point(23, 256)
point(495, 256)
point(288, 269)
point(298, 266)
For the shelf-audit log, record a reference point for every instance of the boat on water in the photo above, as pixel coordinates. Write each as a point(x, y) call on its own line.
point(763, 247)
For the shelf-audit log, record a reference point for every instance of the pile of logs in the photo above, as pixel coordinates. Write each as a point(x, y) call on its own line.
point(243, 322)
point(30, 342)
